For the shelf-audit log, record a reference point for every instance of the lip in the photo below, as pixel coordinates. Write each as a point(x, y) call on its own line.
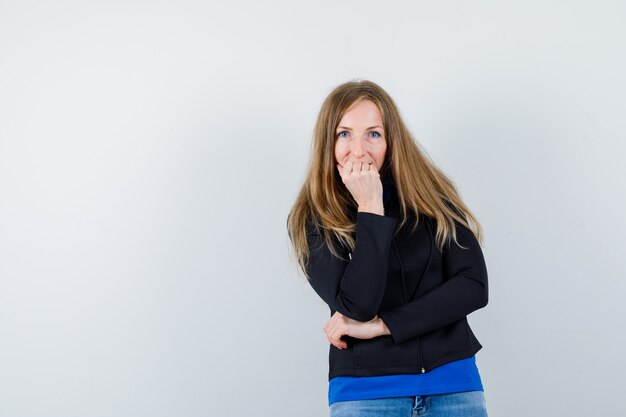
point(365, 162)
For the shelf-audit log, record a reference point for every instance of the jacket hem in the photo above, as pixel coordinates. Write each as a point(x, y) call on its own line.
point(402, 369)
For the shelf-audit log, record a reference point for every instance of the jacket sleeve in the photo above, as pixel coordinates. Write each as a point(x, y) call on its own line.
point(354, 287)
point(464, 290)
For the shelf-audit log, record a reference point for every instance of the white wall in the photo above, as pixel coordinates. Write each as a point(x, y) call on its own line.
point(150, 153)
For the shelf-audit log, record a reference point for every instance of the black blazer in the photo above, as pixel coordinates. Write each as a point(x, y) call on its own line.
point(421, 294)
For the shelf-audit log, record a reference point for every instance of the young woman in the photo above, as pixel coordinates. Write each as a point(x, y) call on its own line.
point(387, 242)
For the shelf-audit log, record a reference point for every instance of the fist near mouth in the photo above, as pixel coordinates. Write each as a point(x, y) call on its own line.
point(363, 181)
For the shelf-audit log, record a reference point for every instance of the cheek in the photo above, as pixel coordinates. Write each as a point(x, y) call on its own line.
point(382, 152)
point(340, 151)
point(380, 158)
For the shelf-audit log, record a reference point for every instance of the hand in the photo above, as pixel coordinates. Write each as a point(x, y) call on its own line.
point(363, 182)
point(340, 325)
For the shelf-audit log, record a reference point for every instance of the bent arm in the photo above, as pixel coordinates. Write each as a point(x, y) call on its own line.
point(353, 287)
point(464, 291)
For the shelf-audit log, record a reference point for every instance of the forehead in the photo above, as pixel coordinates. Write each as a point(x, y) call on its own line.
point(362, 112)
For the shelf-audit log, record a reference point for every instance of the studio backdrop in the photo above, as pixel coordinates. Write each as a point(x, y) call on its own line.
point(151, 151)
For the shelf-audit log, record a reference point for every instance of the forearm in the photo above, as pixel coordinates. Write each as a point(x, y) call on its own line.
point(464, 290)
point(355, 287)
point(444, 305)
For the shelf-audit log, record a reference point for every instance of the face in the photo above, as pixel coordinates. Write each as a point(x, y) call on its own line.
point(360, 135)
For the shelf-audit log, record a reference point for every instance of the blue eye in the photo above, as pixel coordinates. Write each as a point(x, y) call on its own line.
point(343, 134)
point(375, 134)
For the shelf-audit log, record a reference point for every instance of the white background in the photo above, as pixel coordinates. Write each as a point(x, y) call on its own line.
point(150, 153)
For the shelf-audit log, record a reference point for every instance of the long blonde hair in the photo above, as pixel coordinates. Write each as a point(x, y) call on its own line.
point(325, 202)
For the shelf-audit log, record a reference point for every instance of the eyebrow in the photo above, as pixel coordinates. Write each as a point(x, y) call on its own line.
point(371, 127)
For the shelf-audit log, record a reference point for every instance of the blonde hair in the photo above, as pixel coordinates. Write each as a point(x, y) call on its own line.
point(325, 202)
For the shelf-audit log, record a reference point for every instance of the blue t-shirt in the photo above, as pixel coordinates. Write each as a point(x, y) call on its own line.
point(457, 376)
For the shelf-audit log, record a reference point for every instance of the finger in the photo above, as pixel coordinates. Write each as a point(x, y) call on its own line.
point(329, 326)
point(332, 342)
point(330, 329)
point(334, 338)
point(336, 323)
point(337, 333)
point(330, 321)
point(340, 344)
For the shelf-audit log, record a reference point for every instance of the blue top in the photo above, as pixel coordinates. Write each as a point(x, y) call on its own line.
point(457, 376)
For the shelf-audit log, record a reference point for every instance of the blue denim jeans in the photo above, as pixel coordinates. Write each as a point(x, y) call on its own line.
point(457, 404)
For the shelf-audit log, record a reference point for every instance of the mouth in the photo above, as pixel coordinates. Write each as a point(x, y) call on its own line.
point(364, 162)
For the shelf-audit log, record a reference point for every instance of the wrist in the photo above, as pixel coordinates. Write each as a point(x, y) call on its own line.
point(372, 208)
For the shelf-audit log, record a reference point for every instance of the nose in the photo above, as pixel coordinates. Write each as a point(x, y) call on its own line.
point(357, 147)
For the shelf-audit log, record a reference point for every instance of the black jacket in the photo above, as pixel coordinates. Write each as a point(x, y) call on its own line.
point(420, 293)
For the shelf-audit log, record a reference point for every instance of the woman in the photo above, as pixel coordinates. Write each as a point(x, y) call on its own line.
point(387, 242)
